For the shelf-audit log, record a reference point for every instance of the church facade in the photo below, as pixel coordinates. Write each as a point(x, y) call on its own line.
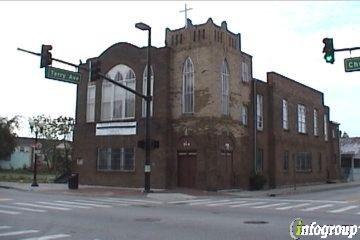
point(216, 125)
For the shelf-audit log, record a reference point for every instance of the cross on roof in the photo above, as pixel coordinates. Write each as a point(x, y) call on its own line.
point(185, 11)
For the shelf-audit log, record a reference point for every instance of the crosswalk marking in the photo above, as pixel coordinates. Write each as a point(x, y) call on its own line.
point(246, 204)
point(270, 205)
point(18, 233)
point(190, 201)
point(4, 227)
point(102, 204)
point(293, 206)
point(9, 212)
point(84, 204)
point(343, 209)
point(22, 208)
point(208, 202)
point(43, 206)
point(64, 205)
point(224, 204)
point(49, 237)
point(5, 199)
point(317, 207)
point(134, 200)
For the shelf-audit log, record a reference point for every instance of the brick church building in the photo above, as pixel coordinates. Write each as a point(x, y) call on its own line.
point(215, 123)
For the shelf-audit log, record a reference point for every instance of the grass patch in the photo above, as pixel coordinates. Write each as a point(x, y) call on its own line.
point(25, 176)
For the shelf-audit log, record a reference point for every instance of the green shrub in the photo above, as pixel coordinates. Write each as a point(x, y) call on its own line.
point(257, 181)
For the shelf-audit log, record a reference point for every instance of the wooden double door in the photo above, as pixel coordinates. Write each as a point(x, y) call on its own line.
point(186, 169)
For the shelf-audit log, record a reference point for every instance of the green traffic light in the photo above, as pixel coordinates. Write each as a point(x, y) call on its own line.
point(329, 59)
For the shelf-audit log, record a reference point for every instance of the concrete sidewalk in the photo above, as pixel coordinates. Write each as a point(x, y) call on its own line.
point(291, 190)
point(171, 194)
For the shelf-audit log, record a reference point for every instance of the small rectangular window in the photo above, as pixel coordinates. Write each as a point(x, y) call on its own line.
point(115, 159)
point(303, 162)
point(90, 104)
point(316, 131)
point(325, 128)
point(301, 118)
point(259, 160)
point(320, 162)
point(245, 75)
point(286, 161)
point(244, 115)
point(285, 114)
point(259, 112)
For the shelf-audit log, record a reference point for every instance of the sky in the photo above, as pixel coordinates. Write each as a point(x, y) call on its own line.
point(282, 36)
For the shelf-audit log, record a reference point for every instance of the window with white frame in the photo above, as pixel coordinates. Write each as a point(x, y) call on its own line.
point(115, 159)
point(244, 114)
point(245, 75)
point(285, 114)
point(325, 128)
point(259, 112)
point(301, 118)
point(145, 91)
point(118, 103)
point(225, 88)
point(90, 103)
point(316, 130)
point(188, 87)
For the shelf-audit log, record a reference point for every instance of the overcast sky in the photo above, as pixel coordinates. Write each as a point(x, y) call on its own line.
point(285, 37)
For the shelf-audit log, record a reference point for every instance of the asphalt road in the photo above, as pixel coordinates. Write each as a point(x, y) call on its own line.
point(40, 216)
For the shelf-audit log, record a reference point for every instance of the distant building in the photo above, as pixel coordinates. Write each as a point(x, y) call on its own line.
point(216, 124)
point(350, 158)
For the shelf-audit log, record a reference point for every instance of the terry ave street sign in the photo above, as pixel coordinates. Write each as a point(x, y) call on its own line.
point(62, 75)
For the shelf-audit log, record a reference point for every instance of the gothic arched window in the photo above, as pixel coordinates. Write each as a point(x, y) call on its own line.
point(145, 91)
point(225, 88)
point(116, 102)
point(188, 87)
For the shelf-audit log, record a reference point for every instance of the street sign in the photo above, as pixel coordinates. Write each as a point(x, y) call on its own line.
point(352, 64)
point(62, 75)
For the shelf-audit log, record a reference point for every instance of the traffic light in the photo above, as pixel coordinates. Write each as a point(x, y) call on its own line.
point(95, 67)
point(329, 50)
point(46, 57)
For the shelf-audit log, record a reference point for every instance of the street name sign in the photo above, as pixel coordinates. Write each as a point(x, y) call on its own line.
point(62, 75)
point(352, 64)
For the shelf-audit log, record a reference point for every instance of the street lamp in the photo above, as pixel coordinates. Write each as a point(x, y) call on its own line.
point(35, 127)
point(148, 99)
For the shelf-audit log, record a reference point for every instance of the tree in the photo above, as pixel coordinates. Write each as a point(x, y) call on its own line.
point(58, 130)
point(8, 136)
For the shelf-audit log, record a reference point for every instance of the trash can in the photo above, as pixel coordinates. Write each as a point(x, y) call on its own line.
point(73, 182)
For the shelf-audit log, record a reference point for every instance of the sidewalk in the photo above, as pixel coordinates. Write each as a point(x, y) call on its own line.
point(171, 194)
point(292, 190)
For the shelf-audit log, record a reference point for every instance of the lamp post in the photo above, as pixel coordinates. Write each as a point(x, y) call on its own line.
point(148, 99)
point(35, 127)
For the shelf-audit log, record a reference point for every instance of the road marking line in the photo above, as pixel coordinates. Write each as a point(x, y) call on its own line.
point(43, 206)
point(134, 200)
point(209, 202)
point(246, 204)
point(22, 208)
point(226, 203)
point(270, 205)
point(101, 203)
point(293, 206)
point(293, 200)
point(57, 236)
point(343, 209)
point(64, 205)
point(317, 207)
point(4, 227)
point(5, 199)
point(85, 204)
point(190, 201)
point(17, 233)
point(9, 212)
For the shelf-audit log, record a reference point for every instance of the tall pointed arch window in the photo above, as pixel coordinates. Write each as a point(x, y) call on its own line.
point(188, 87)
point(225, 88)
point(116, 102)
point(145, 91)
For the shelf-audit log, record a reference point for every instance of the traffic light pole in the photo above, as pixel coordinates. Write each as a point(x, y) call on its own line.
point(346, 49)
